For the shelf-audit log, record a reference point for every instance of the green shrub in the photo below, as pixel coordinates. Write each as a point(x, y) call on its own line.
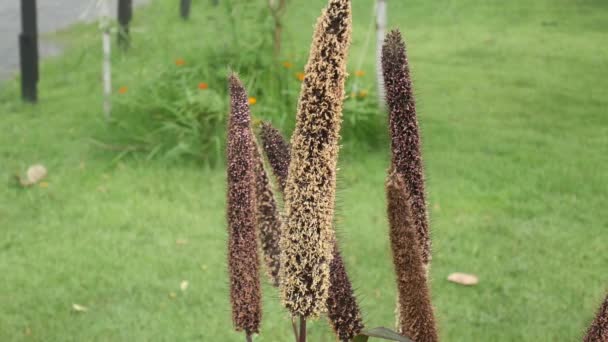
point(161, 110)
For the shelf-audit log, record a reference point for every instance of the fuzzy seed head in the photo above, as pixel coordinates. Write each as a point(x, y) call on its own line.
point(343, 311)
point(342, 308)
point(404, 132)
point(415, 313)
point(598, 331)
point(268, 220)
point(307, 236)
point(277, 152)
point(243, 262)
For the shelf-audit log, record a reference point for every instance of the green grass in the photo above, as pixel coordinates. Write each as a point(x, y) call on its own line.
point(513, 110)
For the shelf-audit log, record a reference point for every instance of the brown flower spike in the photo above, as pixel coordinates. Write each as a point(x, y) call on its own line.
point(268, 221)
point(598, 331)
point(404, 132)
point(307, 238)
point(342, 308)
point(277, 152)
point(415, 313)
point(243, 262)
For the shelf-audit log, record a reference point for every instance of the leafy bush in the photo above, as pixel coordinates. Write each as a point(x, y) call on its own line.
point(178, 107)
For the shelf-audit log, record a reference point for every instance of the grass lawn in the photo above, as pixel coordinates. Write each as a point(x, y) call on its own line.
point(514, 114)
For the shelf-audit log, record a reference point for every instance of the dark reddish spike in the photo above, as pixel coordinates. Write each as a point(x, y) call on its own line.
point(268, 220)
point(277, 152)
point(342, 308)
point(598, 331)
point(404, 132)
point(243, 261)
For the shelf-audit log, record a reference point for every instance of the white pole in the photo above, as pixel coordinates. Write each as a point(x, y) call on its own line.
point(107, 65)
point(380, 34)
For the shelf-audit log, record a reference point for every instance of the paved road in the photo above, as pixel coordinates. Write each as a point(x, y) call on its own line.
point(52, 15)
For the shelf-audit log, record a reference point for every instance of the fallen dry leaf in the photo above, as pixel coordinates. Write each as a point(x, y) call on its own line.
point(34, 174)
point(184, 285)
point(463, 279)
point(79, 308)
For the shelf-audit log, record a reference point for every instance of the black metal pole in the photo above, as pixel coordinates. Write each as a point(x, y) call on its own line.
point(184, 8)
point(125, 14)
point(28, 51)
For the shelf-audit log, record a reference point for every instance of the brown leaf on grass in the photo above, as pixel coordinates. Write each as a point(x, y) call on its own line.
point(463, 279)
point(34, 174)
point(79, 308)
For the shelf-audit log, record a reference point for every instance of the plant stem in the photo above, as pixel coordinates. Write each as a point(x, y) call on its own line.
point(248, 337)
point(294, 325)
point(302, 329)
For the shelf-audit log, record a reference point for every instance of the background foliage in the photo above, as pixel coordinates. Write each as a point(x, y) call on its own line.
point(515, 133)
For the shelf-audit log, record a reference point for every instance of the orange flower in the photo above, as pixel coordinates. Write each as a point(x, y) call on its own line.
point(287, 65)
point(123, 90)
point(362, 94)
point(359, 73)
point(253, 100)
point(300, 76)
point(180, 62)
point(203, 86)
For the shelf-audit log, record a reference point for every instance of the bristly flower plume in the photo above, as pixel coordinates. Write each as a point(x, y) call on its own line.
point(277, 152)
point(415, 313)
point(598, 331)
point(343, 311)
point(404, 133)
point(268, 220)
point(307, 237)
point(342, 308)
point(243, 261)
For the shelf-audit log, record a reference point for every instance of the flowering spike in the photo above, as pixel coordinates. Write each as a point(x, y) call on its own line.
point(243, 262)
point(343, 311)
point(404, 132)
point(342, 308)
point(268, 220)
point(415, 313)
point(277, 152)
point(307, 238)
point(598, 331)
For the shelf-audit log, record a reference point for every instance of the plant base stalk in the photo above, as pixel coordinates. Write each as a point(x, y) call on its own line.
point(302, 329)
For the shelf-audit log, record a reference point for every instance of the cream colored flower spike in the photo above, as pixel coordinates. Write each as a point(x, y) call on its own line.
point(307, 236)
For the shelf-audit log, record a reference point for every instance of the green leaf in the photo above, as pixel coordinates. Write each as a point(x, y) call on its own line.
point(386, 334)
point(361, 338)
